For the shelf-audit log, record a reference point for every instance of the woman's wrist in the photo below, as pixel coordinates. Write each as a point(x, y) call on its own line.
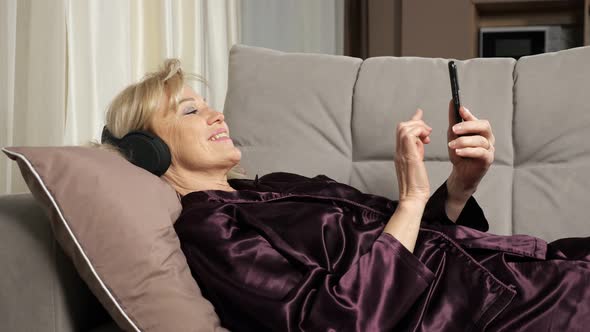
point(457, 197)
point(457, 191)
point(404, 224)
point(414, 205)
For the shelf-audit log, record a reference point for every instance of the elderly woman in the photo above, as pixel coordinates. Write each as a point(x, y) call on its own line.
point(291, 253)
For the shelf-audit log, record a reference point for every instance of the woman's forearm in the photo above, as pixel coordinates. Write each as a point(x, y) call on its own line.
point(404, 224)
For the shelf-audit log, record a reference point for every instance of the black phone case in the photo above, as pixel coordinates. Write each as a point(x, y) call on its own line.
point(455, 90)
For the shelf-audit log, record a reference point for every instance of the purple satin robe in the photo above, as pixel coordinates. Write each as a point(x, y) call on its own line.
point(290, 253)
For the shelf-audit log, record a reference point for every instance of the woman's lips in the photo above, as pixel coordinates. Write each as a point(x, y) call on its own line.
point(218, 131)
point(220, 134)
point(221, 139)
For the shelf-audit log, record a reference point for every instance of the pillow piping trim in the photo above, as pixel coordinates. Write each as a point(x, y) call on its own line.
point(86, 259)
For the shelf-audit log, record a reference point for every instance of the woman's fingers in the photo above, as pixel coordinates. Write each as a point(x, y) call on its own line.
point(466, 114)
point(415, 123)
point(476, 153)
point(418, 114)
point(416, 120)
point(409, 131)
point(475, 127)
point(475, 141)
point(410, 142)
point(419, 130)
point(412, 133)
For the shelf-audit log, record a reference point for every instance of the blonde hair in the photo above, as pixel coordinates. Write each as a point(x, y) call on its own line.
point(133, 108)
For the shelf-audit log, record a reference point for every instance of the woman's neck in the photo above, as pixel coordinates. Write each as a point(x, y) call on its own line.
point(186, 182)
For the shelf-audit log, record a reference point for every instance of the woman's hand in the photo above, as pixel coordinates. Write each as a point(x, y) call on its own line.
point(471, 155)
point(414, 189)
point(409, 160)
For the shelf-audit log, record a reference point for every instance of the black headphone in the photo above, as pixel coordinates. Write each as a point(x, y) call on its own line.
point(143, 149)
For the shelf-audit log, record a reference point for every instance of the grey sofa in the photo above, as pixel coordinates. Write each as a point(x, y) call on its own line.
point(335, 115)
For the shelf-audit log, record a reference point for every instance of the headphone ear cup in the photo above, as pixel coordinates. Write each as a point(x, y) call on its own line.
point(147, 151)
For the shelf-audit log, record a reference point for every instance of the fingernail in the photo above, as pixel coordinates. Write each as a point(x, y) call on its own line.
point(458, 151)
point(466, 109)
point(451, 144)
point(456, 127)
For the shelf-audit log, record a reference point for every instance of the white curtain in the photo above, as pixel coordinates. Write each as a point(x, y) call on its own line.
point(61, 62)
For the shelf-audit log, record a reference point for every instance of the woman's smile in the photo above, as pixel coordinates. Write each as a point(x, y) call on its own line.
point(221, 138)
point(220, 135)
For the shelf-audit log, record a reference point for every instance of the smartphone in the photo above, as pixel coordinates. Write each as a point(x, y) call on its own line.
point(455, 90)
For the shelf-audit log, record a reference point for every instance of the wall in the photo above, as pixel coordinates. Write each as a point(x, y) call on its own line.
point(294, 25)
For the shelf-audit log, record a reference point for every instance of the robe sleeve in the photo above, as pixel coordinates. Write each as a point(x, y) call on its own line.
point(471, 216)
point(374, 294)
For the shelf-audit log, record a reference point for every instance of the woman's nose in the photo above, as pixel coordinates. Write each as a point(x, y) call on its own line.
point(215, 116)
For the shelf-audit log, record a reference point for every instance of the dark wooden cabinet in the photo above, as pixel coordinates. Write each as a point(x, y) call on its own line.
point(450, 28)
point(432, 28)
point(453, 26)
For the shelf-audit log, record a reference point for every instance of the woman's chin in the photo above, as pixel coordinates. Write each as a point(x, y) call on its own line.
point(237, 155)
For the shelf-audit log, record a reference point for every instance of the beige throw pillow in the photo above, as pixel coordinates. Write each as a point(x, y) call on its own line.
point(115, 221)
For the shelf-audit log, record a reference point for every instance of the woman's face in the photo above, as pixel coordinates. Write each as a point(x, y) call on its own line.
point(196, 134)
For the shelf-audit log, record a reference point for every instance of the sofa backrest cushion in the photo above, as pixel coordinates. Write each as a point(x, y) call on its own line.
point(552, 144)
point(291, 112)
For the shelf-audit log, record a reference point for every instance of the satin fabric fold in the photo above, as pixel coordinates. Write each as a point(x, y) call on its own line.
point(291, 253)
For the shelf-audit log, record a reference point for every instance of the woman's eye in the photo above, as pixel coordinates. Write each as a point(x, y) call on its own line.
point(193, 111)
